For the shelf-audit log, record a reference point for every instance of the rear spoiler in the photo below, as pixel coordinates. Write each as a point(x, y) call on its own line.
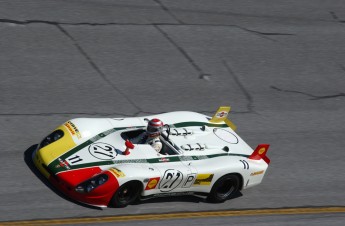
point(260, 153)
point(221, 116)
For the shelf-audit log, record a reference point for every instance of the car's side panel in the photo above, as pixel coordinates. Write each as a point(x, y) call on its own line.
point(211, 169)
point(256, 173)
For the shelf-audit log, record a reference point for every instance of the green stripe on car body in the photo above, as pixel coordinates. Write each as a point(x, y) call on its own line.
point(186, 124)
point(155, 160)
point(54, 165)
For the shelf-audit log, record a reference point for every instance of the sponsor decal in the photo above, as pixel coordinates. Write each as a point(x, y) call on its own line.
point(103, 151)
point(221, 114)
point(172, 179)
point(64, 163)
point(261, 151)
point(189, 181)
point(152, 183)
point(164, 159)
point(203, 179)
point(118, 173)
point(73, 129)
point(257, 173)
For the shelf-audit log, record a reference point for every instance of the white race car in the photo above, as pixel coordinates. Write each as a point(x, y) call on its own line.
point(94, 161)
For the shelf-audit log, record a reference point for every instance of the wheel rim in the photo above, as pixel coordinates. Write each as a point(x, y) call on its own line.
point(126, 194)
point(226, 188)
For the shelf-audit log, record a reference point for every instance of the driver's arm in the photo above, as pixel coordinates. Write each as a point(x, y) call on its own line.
point(157, 146)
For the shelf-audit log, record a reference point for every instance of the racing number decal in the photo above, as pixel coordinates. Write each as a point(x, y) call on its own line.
point(172, 179)
point(74, 159)
point(189, 181)
point(102, 151)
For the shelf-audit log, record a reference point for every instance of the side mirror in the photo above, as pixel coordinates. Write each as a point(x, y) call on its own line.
point(129, 145)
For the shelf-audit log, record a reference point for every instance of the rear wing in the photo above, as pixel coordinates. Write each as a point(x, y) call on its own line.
point(221, 116)
point(260, 153)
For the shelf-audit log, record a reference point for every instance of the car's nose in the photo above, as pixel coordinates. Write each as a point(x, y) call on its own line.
point(51, 147)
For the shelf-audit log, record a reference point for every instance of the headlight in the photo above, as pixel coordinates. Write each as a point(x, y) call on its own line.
point(54, 136)
point(91, 184)
point(89, 187)
point(101, 180)
point(80, 189)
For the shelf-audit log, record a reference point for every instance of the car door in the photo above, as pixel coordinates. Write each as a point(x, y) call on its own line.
point(175, 175)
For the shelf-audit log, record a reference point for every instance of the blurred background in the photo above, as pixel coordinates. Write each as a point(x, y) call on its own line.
point(279, 64)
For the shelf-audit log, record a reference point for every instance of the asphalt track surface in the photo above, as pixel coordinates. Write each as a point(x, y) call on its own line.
point(279, 64)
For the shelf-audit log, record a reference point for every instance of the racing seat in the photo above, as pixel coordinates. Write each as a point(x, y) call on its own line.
point(132, 134)
point(167, 147)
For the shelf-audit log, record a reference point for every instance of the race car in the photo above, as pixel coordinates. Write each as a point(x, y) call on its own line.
point(95, 161)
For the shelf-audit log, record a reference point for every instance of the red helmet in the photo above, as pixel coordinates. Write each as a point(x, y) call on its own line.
point(154, 127)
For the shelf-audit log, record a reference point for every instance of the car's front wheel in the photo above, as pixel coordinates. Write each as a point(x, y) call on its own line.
point(224, 188)
point(126, 194)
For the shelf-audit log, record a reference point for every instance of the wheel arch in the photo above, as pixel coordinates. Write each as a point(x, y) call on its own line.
point(240, 177)
point(140, 183)
point(134, 181)
point(225, 187)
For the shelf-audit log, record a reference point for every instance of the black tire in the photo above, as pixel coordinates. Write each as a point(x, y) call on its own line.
point(126, 194)
point(224, 188)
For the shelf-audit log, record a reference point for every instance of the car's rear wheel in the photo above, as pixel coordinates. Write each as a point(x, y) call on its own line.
point(126, 194)
point(224, 188)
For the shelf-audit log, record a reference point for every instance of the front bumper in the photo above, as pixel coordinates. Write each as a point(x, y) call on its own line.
point(67, 181)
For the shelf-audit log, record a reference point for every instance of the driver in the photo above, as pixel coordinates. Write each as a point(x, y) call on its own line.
point(153, 131)
point(151, 135)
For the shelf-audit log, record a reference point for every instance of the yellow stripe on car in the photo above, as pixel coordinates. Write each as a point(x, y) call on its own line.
point(203, 179)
